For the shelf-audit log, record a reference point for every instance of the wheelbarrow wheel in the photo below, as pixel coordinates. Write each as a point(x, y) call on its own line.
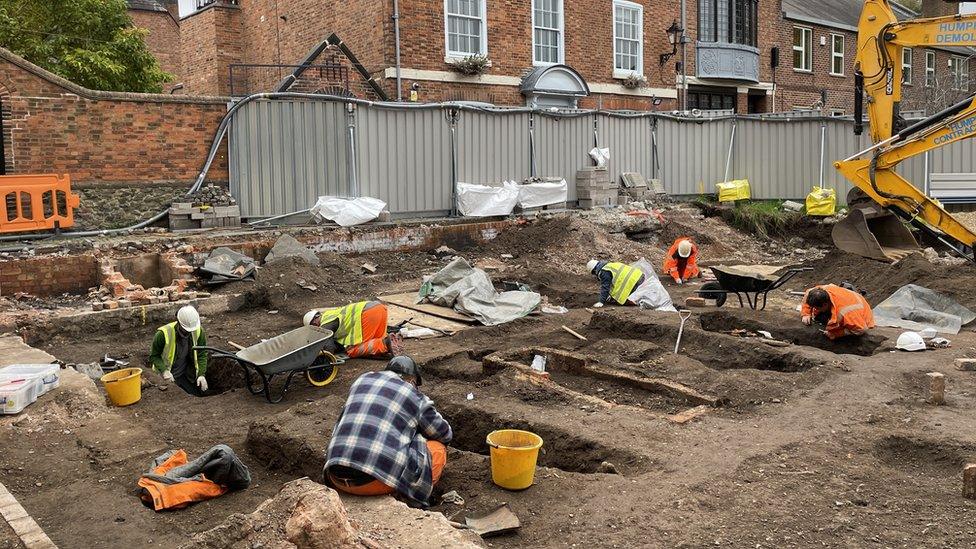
point(324, 370)
point(713, 290)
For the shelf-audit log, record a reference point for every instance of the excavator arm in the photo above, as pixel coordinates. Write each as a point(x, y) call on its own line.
point(869, 231)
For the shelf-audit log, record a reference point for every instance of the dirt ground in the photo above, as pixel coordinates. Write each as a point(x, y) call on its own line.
point(803, 443)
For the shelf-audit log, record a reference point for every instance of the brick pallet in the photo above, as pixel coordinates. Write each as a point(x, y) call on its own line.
point(594, 189)
point(184, 216)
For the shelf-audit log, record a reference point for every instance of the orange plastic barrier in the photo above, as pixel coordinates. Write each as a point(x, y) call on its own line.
point(36, 203)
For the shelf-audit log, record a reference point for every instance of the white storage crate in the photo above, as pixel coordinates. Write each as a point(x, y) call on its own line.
point(49, 374)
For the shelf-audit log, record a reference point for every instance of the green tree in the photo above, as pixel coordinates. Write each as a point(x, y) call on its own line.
point(90, 42)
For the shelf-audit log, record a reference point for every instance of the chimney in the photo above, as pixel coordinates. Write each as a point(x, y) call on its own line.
point(938, 8)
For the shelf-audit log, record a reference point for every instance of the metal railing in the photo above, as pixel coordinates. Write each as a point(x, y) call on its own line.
point(331, 78)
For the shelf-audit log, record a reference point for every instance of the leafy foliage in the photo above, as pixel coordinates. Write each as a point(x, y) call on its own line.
point(90, 42)
point(473, 65)
point(763, 218)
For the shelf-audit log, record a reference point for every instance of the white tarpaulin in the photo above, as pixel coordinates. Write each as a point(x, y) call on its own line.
point(916, 308)
point(651, 294)
point(347, 211)
point(535, 195)
point(487, 201)
point(468, 290)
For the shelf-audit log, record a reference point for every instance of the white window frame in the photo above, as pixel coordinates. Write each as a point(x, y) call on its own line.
point(907, 70)
point(807, 53)
point(624, 73)
point(958, 73)
point(562, 36)
point(456, 55)
point(834, 55)
point(930, 69)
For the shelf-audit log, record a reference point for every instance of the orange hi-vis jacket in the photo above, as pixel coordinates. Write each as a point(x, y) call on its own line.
point(850, 313)
point(672, 262)
point(177, 495)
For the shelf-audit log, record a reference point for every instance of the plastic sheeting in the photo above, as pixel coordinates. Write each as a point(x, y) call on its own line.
point(226, 265)
point(535, 195)
point(651, 294)
point(485, 200)
point(916, 308)
point(347, 211)
point(468, 290)
point(286, 247)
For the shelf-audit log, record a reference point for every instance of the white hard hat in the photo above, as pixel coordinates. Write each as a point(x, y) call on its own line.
point(189, 318)
point(591, 264)
point(684, 249)
point(910, 341)
point(309, 317)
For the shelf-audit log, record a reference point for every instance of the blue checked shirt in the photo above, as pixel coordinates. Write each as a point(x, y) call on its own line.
point(383, 432)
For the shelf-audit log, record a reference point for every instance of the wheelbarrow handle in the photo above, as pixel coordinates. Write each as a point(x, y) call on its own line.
point(215, 351)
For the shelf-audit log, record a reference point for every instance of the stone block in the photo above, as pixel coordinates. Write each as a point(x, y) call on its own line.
point(97, 305)
point(966, 364)
point(111, 305)
point(936, 388)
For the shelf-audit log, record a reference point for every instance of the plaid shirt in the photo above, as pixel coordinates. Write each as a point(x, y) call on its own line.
point(383, 432)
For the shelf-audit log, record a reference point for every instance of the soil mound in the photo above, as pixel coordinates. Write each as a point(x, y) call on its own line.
point(880, 280)
point(293, 285)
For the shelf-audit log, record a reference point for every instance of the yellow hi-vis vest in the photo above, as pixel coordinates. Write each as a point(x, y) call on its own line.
point(350, 330)
point(169, 349)
point(625, 280)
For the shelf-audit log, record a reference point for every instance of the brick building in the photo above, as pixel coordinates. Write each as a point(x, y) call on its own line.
point(161, 19)
point(728, 57)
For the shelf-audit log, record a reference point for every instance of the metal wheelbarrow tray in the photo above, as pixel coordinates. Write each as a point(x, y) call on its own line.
point(301, 350)
point(739, 281)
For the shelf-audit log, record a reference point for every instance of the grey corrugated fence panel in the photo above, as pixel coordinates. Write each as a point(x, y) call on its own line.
point(284, 154)
point(629, 141)
point(562, 147)
point(493, 148)
point(404, 159)
point(692, 154)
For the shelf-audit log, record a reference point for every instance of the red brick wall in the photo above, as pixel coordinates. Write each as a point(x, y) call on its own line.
point(51, 125)
point(211, 40)
point(47, 276)
point(163, 39)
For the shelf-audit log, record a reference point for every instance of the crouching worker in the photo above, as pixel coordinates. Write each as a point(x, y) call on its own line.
point(617, 281)
point(173, 356)
point(389, 438)
point(360, 328)
point(681, 261)
point(842, 311)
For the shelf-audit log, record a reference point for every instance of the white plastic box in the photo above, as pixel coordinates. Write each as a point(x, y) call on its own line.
point(18, 393)
point(49, 374)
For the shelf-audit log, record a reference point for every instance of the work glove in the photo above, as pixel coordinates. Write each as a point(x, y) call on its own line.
point(598, 305)
point(168, 375)
point(807, 320)
point(202, 383)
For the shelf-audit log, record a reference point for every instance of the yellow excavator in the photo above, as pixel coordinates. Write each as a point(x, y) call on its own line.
point(883, 203)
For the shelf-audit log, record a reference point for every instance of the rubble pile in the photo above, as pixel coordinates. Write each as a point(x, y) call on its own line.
point(211, 195)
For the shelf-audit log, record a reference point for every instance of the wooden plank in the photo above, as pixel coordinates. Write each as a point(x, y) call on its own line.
point(689, 415)
point(398, 314)
point(13, 350)
point(406, 300)
point(576, 335)
point(656, 385)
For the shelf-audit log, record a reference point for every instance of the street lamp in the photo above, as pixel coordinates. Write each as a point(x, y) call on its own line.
point(675, 36)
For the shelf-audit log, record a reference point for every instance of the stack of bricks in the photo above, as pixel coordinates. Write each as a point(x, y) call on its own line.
point(594, 188)
point(636, 187)
point(184, 216)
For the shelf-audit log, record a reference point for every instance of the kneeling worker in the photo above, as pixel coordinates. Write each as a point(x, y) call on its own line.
point(389, 438)
point(681, 261)
point(173, 356)
point(842, 311)
point(617, 281)
point(359, 327)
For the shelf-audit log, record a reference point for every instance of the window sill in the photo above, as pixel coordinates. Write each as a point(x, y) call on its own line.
point(545, 64)
point(624, 75)
point(803, 71)
point(838, 75)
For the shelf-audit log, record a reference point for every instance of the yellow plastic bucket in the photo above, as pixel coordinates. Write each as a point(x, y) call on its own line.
point(513, 457)
point(124, 387)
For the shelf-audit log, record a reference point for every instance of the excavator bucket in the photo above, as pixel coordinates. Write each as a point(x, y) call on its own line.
point(872, 231)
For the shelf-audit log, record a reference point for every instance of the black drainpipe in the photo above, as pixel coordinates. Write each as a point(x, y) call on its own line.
point(3, 152)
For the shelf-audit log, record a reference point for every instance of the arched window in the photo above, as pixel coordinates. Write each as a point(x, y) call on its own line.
point(728, 21)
